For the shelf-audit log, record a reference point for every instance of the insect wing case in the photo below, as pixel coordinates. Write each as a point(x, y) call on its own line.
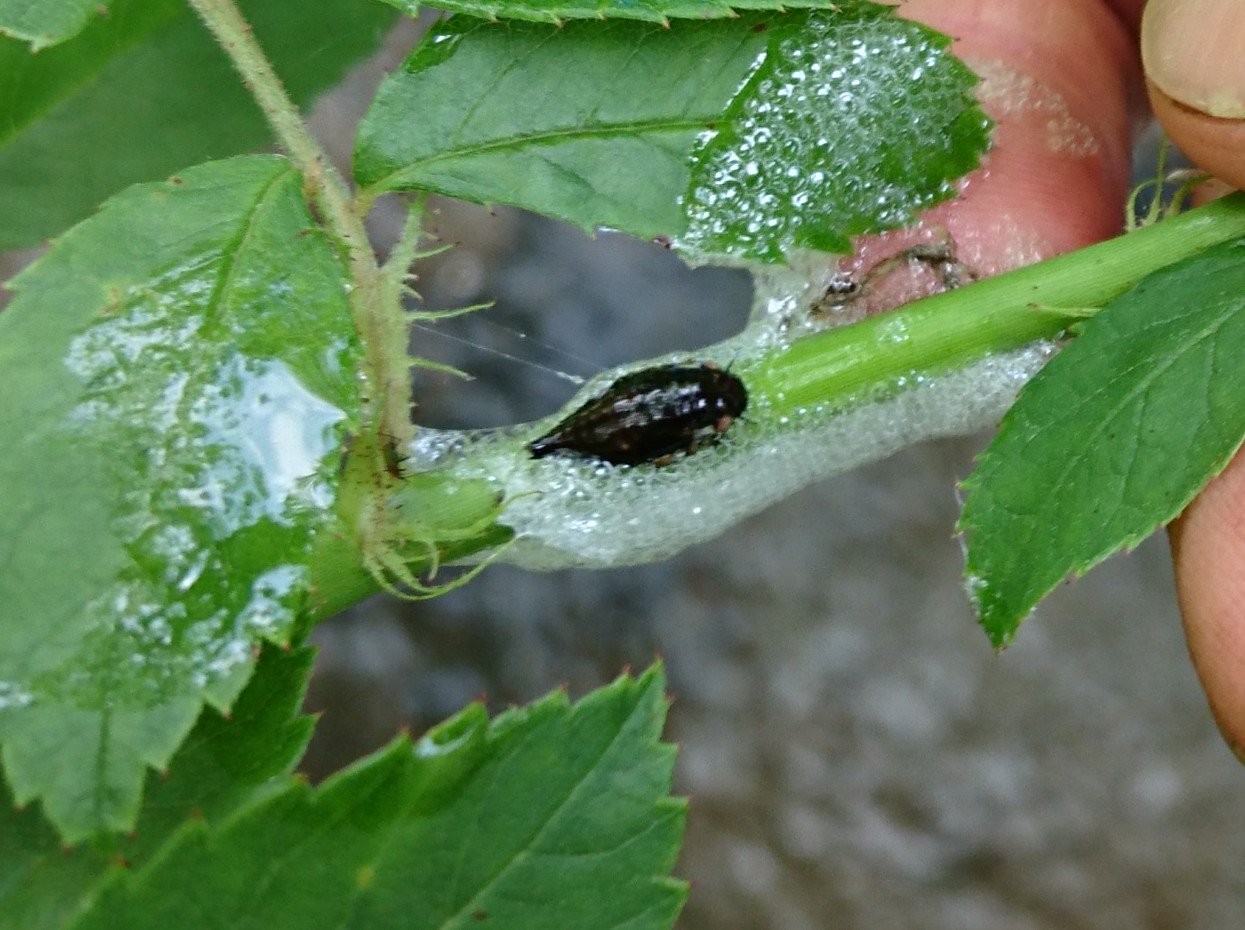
point(650, 415)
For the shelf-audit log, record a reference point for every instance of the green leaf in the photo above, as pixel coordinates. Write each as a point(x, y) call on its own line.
point(179, 369)
point(41, 884)
point(224, 763)
point(854, 125)
point(1112, 439)
point(653, 11)
point(745, 137)
point(143, 92)
point(228, 760)
point(551, 816)
point(486, 112)
point(43, 24)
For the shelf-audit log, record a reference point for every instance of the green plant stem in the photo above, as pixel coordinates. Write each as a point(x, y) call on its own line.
point(377, 317)
point(872, 359)
point(234, 34)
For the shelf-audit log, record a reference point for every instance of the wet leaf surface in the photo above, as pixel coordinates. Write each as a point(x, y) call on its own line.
point(180, 371)
point(226, 762)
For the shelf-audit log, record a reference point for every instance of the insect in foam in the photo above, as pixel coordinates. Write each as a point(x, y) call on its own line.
point(649, 417)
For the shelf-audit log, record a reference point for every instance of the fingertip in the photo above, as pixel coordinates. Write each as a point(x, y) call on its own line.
point(1195, 74)
point(1208, 550)
point(1213, 144)
point(1191, 50)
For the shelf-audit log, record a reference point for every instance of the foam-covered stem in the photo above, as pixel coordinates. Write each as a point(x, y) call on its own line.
point(859, 364)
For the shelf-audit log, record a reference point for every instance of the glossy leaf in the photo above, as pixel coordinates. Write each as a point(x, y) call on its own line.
point(653, 11)
point(550, 816)
point(145, 91)
point(179, 369)
point(1112, 439)
point(44, 22)
point(744, 137)
point(224, 763)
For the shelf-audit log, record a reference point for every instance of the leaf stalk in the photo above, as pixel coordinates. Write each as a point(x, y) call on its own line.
point(374, 306)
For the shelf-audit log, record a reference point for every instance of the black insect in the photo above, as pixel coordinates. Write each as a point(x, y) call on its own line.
point(649, 416)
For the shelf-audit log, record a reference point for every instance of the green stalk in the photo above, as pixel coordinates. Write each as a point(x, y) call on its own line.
point(226, 23)
point(344, 566)
point(374, 306)
point(869, 359)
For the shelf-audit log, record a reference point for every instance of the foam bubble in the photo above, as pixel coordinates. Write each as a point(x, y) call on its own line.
point(810, 141)
point(1008, 92)
point(568, 512)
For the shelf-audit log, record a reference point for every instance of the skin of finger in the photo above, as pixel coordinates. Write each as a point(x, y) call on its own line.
point(1215, 145)
point(1061, 80)
point(1208, 549)
point(1129, 12)
point(1208, 541)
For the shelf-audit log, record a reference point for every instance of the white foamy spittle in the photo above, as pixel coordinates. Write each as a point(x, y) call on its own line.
point(569, 512)
point(1008, 92)
point(1004, 243)
point(809, 137)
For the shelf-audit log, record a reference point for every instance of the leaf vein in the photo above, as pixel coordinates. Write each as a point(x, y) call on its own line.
point(1078, 462)
point(538, 138)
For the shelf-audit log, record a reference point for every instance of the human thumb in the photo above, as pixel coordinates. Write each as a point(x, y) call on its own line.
point(1194, 57)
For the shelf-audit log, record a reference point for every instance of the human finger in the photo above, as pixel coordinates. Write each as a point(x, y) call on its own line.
point(1194, 56)
point(1061, 79)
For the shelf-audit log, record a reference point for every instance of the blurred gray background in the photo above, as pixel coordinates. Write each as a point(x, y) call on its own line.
point(856, 754)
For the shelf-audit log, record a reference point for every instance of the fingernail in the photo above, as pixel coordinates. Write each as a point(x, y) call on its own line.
point(1194, 50)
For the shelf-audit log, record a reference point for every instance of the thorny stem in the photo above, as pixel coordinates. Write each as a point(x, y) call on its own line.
point(375, 310)
point(405, 250)
point(234, 34)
